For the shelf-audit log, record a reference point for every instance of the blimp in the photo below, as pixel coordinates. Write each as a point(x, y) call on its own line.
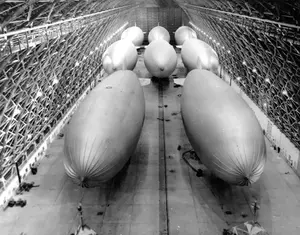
point(183, 33)
point(158, 33)
point(121, 55)
point(222, 129)
point(197, 54)
point(160, 58)
point(133, 34)
point(105, 129)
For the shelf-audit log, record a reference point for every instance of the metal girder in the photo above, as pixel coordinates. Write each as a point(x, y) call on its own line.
point(18, 40)
point(15, 16)
point(24, 1)
point(279, 24)
point(166, 3)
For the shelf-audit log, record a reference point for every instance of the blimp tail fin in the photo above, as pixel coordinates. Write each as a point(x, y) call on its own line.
point(199, 65)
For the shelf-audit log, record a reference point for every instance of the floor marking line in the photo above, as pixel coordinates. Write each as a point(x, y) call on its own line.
point(163, 190)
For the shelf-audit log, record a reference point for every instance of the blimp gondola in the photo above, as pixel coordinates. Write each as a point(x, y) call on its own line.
point(120, 55)
point(222, 129)
point(105, 129)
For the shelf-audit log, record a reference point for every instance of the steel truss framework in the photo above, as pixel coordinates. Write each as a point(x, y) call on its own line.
point(263, 58)
point(19, 14)
point(44, 70)
point(287, 11)
point(25, 38)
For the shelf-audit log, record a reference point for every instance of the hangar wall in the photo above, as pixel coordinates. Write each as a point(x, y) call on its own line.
point(282, 145)
point(149, 17)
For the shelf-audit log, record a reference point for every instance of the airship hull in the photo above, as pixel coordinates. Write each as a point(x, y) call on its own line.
point(197, 54)
point(121, 55)
point(158, 33)
point(160, 59)
point(222, 129)
point(183, 33)
point(105, 129)
point(134, 34)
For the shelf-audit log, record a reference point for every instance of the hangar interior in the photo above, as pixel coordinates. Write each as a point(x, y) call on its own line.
point(51, 58)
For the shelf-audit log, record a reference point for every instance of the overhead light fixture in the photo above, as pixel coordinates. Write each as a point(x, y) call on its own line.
point(39, 94)
point(16, 112)
point(55, 81)
point(284, 92)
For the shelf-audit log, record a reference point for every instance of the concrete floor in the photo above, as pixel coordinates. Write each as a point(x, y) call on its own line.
point(156, 193)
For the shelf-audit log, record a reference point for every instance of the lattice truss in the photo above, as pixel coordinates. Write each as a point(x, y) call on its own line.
point(44, 69)
point(262, 56)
